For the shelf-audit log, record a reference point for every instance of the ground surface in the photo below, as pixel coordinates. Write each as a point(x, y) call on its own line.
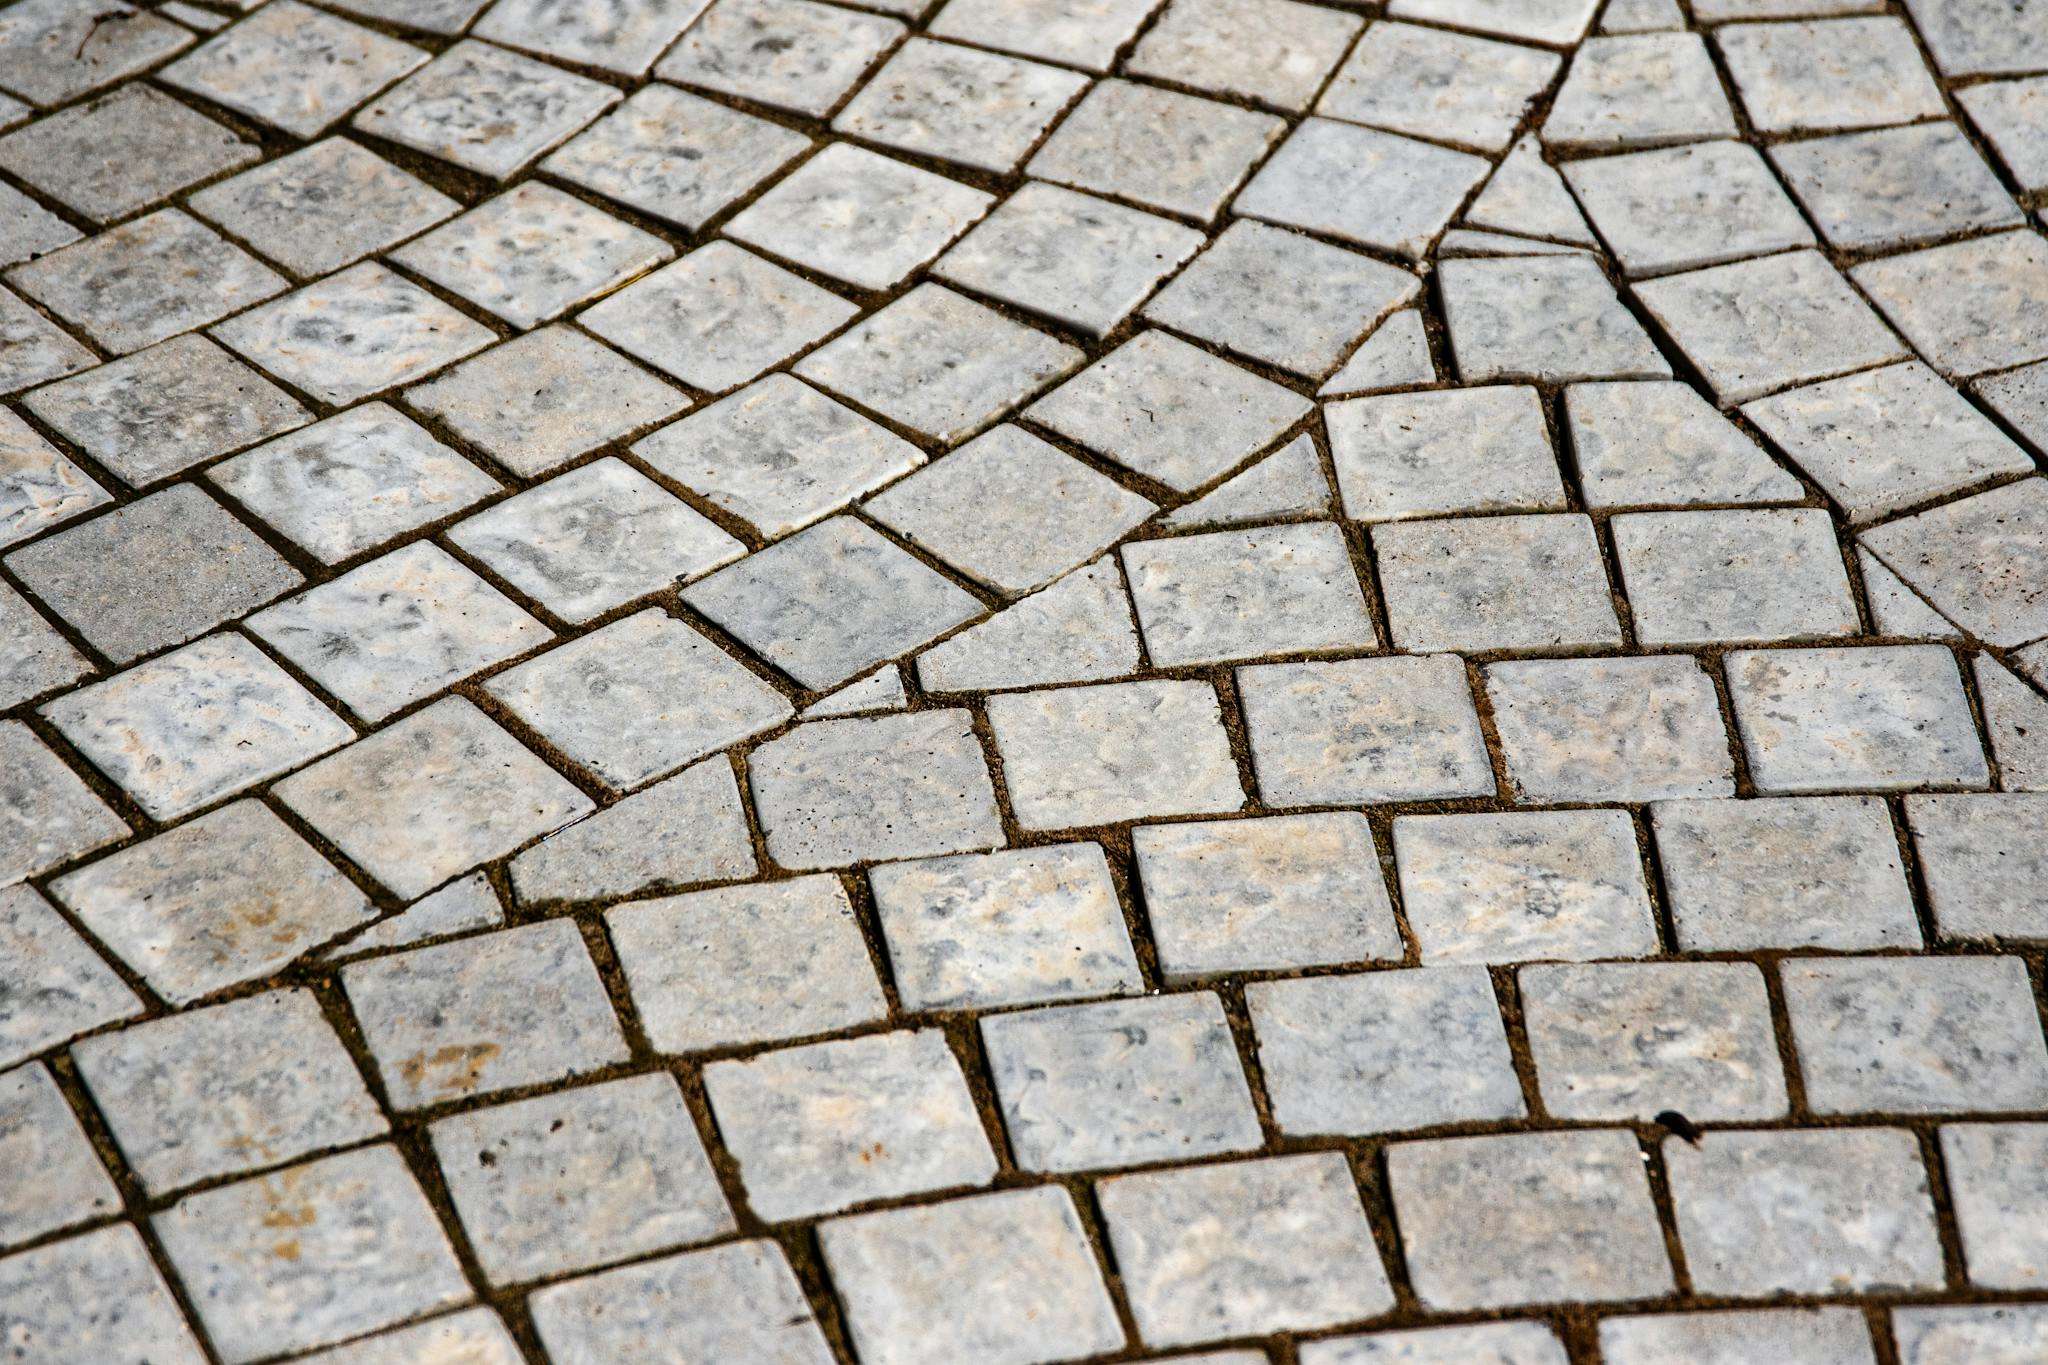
point(1042, 679)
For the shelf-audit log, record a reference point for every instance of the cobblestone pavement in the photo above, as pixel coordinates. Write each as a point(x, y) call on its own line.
point(1023, 680)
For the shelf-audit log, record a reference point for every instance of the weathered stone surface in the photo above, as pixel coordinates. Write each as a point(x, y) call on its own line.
point(1400, 729)
point(1117, 751)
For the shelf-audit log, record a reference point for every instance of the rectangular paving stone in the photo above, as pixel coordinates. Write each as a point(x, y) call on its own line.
point(958, 104)
point(474, 1336)
point(1362, 186)
point(1241, 594)
point(620, 38)
point(96, 1296)
point(1078, 629)
point(294, 67)
point(323, 207)
point(1896, 187)
point(737, 1301)
point(1980, 857)
point(1796, 1336)
point(1487, 583)
point(1432, 453)
point(1118, 751)
point(1440, 85)
point(40, 1134)
point(48, 816)
point(35, 660)
point(2009, 115)
point(27, 229)
point(125, 151)
point(683, 830)
point(33, 349)
point(1687, 207)
point(1966, 306)
point(1953, 1336)
point(1704, 577)
point(791, 54)
point(1551, 318)
point(485, 109)
point(54, 51)
point(1979, 560)
point(1642, 729)
point(1156, 147)
point(53, 984)
point(1275, 52)
point(1660, 443)
point(1638, 89)
point(1827, 74)
point(1998, 1181)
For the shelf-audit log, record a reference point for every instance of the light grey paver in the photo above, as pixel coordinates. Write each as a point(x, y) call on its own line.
point(1118, 751)
point(1444, 86)
point(684, 829)
point(55, 52)
point(1657, 722)
point(957, 104)
point(1240, 594)
point(1276, 52)
point(1507, 1343)
point(1488, 583)
point(1650, 444)
point(1687, 207)
point(1895, 187)
point(1362, 185)
point(40, 1138)
point(792, 54)
point(323, 206)
point(1638, 90)
point(1965, 306)
point(1959, 1336)
point(1795, 1336)
point(1979, 560)
point(1083, 35)
point(737, 1301)
point(1078, 629)
point(1551, 318)
point(1825, 74)
point(97, 1296)
point(125, 151)
point(1156, 147)
point(1980, 857)
point(294, 67)
point(53, 985)
point(1428, 454)
point(624, 39)
point(1706, 577)
point(48, 816)
point(485, 109)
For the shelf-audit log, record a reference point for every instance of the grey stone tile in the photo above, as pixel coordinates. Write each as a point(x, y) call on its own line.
point(125, 151)
point(683, 830)
point(1804, 1212)
point(1278, 893)
point(1361, 185)
point(433, 16)
point(1083, 33)
point(1551, 319)
point(34, 350)
point(294, 67)
point(1646, 729)
point(354, 482)
point(746, 964)
point(53, 985)
point(1784, 872)
point(437, 794)
point(1881, 719)
point(1638, 90)
point(35, 659)
point(1707, 577)
point(1008, 1279)
point(39, 1134)
point(1467, 243)
point(835, 792)
point(152, 573)
point(1660, 444)
point(311, 1255)
point(1017, 927)
point(55, 51)
point(620, 38)
point(639, 698)
point(1980, 856)
point(1795, 1336)
point(938, 363)
point(1156, 147)
point(1565, 885)
point(881, 690)
point(2021, 398)
point(1896, 609)
point(465, 904)
point(1287, 483)
point(1720, 11)
point(2017, 718)
point(1968, 306)
point(789, 54)
point(1244, 1249)
point(1384, 1051)
point(1440, 85)
point(1627, 1041)
point(202, 722)
point(226, 1090)
point(1685, 207)
point(738, 1301)
point(1979, 560)
point(1114, 752)
point(1916, 1035)
point(399, 628)
point(1996, 1180)
point(1169, 411)
point(97, 1296)
point(47, 815)
point(1828, 74)
point(1487, 583)
point(676, 156)
point(1972, 37)
point(1364, 730)
point(1526, 195)
point(1010, 510)
point(822, 1128)
point(485, 109)
point(1121, 1083)
point(1560, 22)
point(957, 104)
point(1429, 454)
point(1895, 187)
point(1078, 629)
point(1241, 594)
point(1488, 1222)
point(1276, 52)
point(1507, 1343)
point(2013, 117)
point(475, 1336)
point(2007, 1334)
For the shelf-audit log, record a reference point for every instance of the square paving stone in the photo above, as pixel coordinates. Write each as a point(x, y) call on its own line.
point(1241, 594)
point(831, 602)
point(52, 51)
point(123, 152)
point(474, 1336)
point(1006, 1279)
point(1784, 872)
point(437, 794)
point(639, 698)
point(354, 482)
point(152, 573)
point(433, 16)
point(1698, 578)
point(621, 38)
point(1998, 1179)
point(942, 365)
point(39, 1133)
point(1828, 74)
point(1646, 729)
point(1968, 306)
point(1383, 1052)
point(1156, 147)
point(47, 815)
point(1981, 857)
point(1070, 257)
point(323, 207)
point(821, 1128)
point(1076, 630)
point(1524, 886)
point(676, 156)
point(1626, 1041)
point(397, 629)
point(1488, 1222)
point(53, 985)
point(1558, 22)
point(33, 349)
point(294, 67)
point(1916, 1035)
point(778, 454)
point(738, 1301)
point(1018, 927)
point(147, 280)
point(1507, 1343)
point(95, 1297)
point(1792, 1336)
point(311, 1255)
point(485, 109)
point(1550, 319)
point(746, 964)
point(1364, 730)
point(354, 334)
point(957, 104)
point(684, 830)
point(1272, 894)
point(1075, 34)
point(1244, 1249)
point(789, 54)
point(1828, 1212)
point(1754, 327)
point(1115, 752)
point(1459, 450)
point(1275, 52)
point(225, 1090)
point(496, 1012)
point(1439, 85)
point(1686, 207)
point(1170, 411)
point(2013, 117)
point(35, 659)
point(1882, 719)
point(1981, 561)
point(578, 1178)
point(856, 215)
point(1963, 1335)
point(202, 722)
point(1485, 583)
point(1638, 90)
point(1361, 185)
point(1121, 1083)
point(230, 897)
point(1895, 187)
point(1010, 510)
point(1969, 37)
